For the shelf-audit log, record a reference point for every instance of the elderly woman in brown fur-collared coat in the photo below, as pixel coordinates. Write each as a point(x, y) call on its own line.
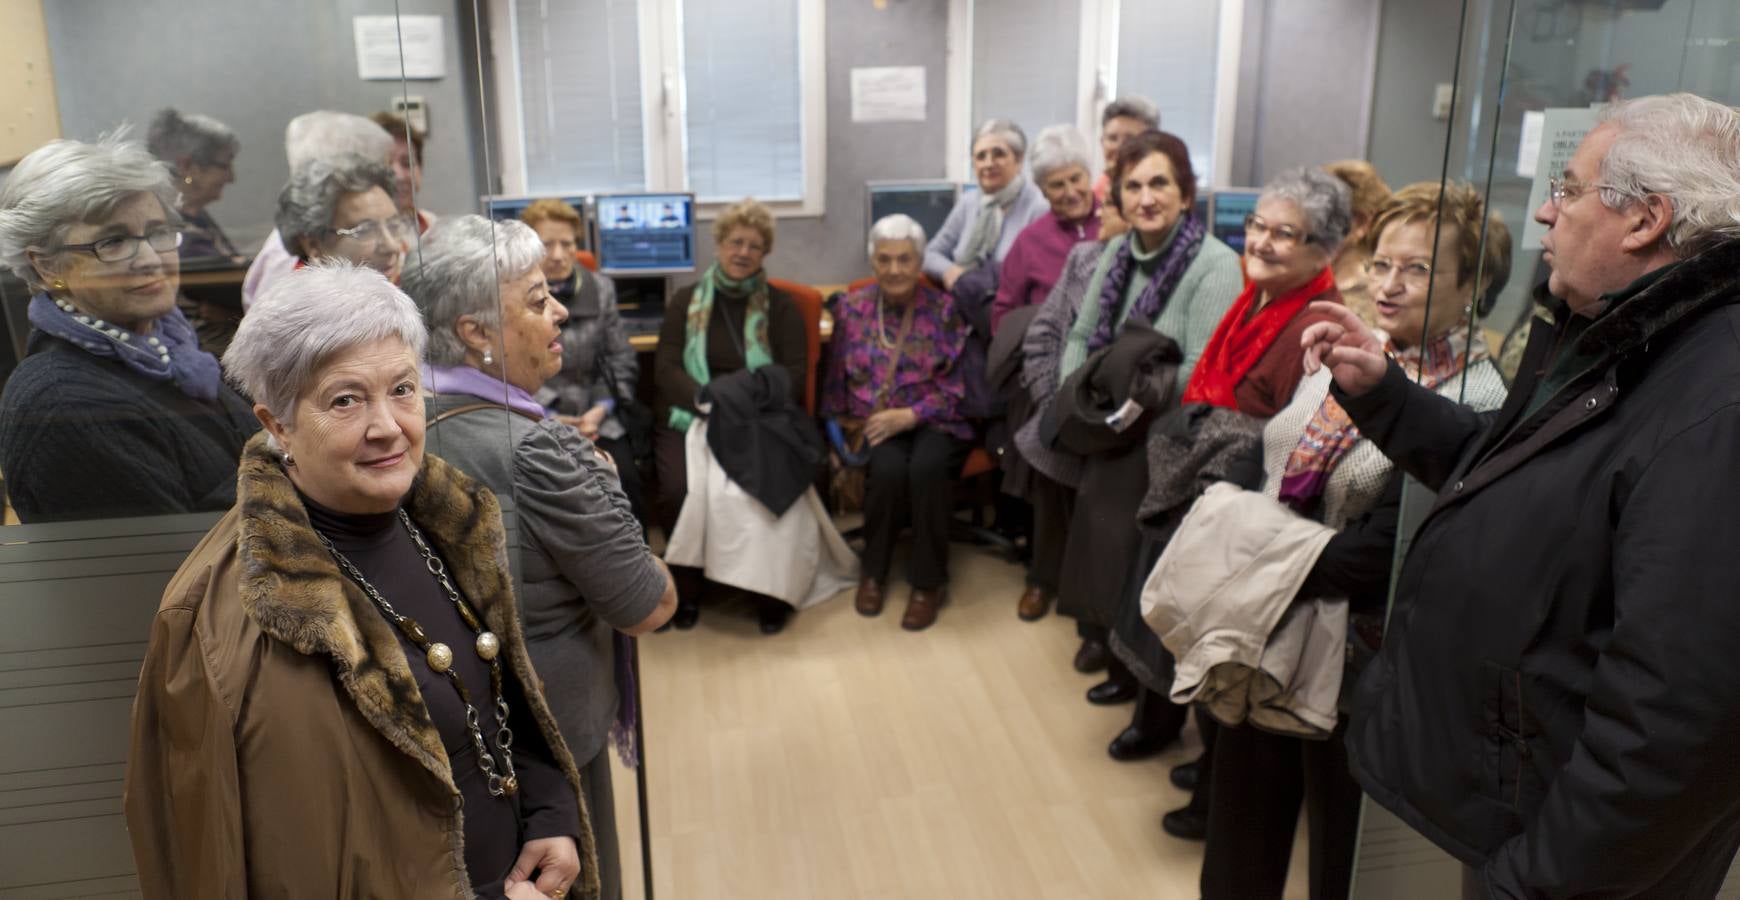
point(337, 700)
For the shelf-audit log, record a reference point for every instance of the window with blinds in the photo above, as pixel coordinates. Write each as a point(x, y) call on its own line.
point(1026, 62)
point(743, 99)
point(1167, 53)
point(580, 95)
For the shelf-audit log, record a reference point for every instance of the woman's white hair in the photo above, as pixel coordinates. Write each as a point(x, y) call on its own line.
point(175, 135)
point(1685, 148)
point(1006, 131)
point(897, 227)
point(325, 134)
point(304, 319)
point(1058, 147)
point(1131, 106)
point(1324, 200)
point(459, 270)
point(308, 203)
point(65, 183)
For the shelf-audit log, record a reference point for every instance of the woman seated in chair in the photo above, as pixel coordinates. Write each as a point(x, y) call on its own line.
point(343, 209)
point(892, 373)
point(728, 321)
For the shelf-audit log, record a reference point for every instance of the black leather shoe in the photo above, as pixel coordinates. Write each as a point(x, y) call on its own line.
point(1186, 824)
point(1132, 744)
point(1185, 777)
point(1091, 657)
point(686, 616)
point(773, 616)
point(1111, 693)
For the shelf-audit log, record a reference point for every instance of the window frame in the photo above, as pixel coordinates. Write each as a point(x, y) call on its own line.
point(664, 132)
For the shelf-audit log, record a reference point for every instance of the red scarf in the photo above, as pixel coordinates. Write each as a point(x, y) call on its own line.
point(1241, 339)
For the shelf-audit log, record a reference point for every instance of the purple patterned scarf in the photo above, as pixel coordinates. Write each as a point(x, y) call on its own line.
point(170, 353)
point(1186, 241)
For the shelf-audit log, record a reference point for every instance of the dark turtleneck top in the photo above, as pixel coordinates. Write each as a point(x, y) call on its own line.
point(495, 827)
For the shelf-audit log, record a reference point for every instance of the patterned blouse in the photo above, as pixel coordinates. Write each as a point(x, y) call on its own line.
point(925, 380)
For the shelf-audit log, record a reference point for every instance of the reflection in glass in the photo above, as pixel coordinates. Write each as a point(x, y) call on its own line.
point(116, 411)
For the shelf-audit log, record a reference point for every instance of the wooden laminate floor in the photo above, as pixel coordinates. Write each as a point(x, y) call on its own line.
point(846, 758)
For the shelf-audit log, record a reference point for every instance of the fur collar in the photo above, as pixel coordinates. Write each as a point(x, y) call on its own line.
point(1702, 282)
point(291, 587)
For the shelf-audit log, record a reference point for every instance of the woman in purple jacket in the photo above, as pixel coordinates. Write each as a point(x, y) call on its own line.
point(1060, 168)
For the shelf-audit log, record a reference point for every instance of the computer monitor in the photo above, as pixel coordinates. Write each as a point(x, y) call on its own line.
point(644, 234)
point(928, 202)
point(1228, 208)
point(510, 208)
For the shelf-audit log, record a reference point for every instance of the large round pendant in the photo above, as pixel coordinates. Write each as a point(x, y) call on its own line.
point(440, 657)
point(488, 645)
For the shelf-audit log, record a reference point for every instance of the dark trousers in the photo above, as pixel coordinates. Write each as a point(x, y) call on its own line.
point(628, 470)
point(1053, 505)
point(1259, 780)
point(911, 481)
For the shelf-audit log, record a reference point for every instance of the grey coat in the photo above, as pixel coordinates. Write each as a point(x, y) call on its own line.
point(584, 568)
point(592, 337)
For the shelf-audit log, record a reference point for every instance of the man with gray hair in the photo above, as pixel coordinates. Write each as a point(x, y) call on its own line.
point(1554, 702)
point(320, 135)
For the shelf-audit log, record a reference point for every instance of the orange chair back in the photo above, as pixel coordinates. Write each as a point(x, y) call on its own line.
point(809, 304)
point(587, 259)
point(866, 282)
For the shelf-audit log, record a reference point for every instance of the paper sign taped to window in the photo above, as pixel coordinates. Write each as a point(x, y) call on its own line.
point(888, 94)
point(1562, 130)
point(380, 41)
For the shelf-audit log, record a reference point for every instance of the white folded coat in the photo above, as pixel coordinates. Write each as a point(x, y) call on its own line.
point(1221, 599)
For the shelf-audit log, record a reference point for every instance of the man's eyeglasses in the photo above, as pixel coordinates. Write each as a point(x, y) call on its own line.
point(396, 230)
point(1561, 188)
point(1282, 236)
point(1415, 274)
point(123, 247)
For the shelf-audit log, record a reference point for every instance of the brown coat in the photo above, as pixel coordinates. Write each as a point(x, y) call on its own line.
point(280, 745)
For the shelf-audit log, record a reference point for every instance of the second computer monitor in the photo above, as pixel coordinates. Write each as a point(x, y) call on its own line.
point(1228, 208)
point(928, 202)
point(645, 234)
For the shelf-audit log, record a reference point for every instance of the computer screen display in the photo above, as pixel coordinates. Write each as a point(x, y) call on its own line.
point(643, 234)
point(928, 202)
point(511, 207)
point(1227, 220)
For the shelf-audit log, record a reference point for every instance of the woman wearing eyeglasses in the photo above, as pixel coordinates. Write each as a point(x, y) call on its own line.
point(115, 411)
point(343, 209)
point(1319, 466)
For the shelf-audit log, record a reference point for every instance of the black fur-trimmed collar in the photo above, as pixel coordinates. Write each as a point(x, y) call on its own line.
point(1708, 280)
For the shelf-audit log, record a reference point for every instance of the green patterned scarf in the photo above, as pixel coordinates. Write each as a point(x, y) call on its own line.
point(756, 350)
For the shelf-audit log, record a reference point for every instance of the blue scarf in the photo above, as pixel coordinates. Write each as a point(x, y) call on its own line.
point(1186, 241)
point(170, 353)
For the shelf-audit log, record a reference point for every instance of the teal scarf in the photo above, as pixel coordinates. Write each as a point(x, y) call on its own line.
point(756, 351)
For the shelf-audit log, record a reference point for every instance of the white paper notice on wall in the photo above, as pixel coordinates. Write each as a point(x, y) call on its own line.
point(380, 40)
point(1562, 129)
point(888, 94)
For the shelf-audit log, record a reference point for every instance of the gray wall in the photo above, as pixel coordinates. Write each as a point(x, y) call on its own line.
point(254, 65)
point(1416, 51)
point(1305, 77)
point(830, 248)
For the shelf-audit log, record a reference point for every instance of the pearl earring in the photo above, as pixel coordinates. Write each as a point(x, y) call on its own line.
point(187, 179)
point(289, 461)
point(488, 359)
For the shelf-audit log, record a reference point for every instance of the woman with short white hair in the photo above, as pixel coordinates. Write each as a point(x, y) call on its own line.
point(982, 225)
point(344, 208)
point(892, 375)
point(201, 152)
point(586, 573)
point(115, 410)
point(337, 694)
point(1035, 259)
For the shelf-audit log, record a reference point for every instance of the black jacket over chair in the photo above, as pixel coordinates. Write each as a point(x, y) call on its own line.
point(1557, 699)
point(763, 440)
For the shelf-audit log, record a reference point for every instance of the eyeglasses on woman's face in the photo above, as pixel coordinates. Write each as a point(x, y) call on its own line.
point(1414, 274)
point(1284, 237)
point(373, 231)
point(123, 247)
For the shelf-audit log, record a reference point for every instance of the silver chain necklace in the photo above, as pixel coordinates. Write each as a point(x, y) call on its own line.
point(440, 659)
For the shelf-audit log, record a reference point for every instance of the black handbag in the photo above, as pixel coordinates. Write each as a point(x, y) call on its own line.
point(636, 417)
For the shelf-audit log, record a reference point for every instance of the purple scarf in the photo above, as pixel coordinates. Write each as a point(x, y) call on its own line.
point(1146, 308)
point(482, 385)
point(170, 353)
